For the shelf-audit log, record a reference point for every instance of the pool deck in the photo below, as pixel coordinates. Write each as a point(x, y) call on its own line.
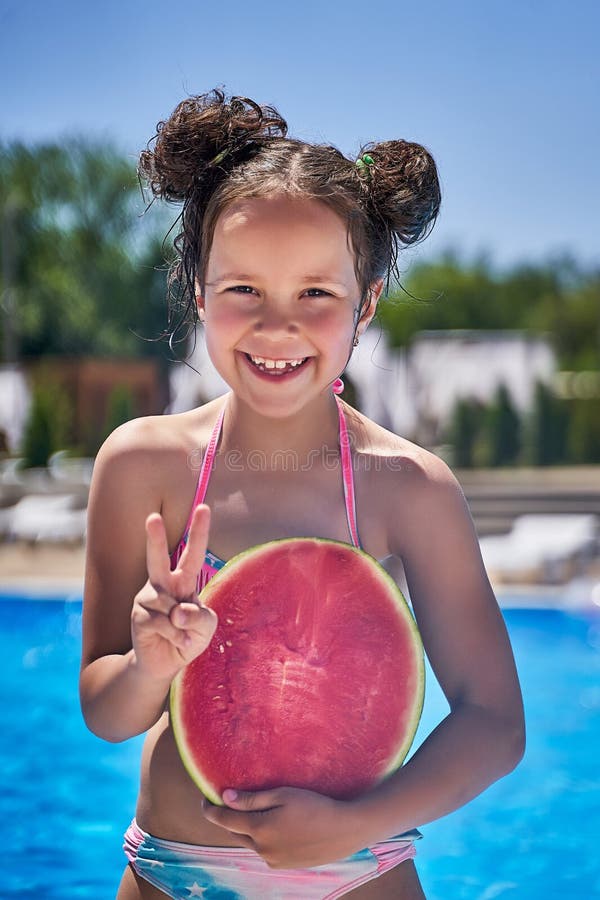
point(44, 570)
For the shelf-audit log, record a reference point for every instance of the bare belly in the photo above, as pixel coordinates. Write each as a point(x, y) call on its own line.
point(169, 804)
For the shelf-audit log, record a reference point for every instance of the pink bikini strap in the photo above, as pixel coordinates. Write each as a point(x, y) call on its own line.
point(347, 476)
point(207, 464)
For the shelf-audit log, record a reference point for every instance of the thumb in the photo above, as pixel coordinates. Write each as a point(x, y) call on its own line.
point(250, 800)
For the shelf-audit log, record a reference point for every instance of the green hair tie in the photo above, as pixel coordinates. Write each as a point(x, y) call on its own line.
point(365, 162)
point(219, 157)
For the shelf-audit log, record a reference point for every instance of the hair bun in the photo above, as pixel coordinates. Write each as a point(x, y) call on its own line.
point(204, 132)
point(404, 187)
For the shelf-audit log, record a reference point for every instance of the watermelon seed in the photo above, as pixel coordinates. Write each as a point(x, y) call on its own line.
point(229, 644)
point(221, 648)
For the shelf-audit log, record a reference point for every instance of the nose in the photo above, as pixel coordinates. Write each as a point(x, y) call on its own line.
point(276, 321)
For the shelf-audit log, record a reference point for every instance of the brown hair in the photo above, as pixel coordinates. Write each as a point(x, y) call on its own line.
point(213, 150)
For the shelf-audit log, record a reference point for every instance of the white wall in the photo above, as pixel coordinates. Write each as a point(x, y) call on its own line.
point(14, 404)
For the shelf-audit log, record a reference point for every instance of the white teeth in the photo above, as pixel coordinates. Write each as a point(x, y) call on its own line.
point(275, 363)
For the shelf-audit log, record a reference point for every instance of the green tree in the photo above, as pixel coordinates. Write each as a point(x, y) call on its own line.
point(502, 429)
point(583, 440)
point(545, 432)
point(119, 410)
point(79, 263)
point(47, 425)
point(557, 298)
point(464, 427)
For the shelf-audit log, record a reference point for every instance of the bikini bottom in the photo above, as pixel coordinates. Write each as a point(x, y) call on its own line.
point(237, 873)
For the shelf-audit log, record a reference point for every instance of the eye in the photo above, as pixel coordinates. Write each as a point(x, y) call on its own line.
point(241, 289)
point(317, 292)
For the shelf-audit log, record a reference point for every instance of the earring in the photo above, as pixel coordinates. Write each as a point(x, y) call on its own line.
point(355, 342)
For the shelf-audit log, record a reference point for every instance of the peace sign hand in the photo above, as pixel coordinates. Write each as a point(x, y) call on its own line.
point(169, 626)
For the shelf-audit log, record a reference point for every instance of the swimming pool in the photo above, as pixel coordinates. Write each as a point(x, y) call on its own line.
point(68, 796)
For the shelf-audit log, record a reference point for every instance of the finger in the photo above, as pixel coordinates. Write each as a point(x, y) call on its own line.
point(238, 823)
point(194, 618)
point(157, 552)
point(251, 801)
point(148, 622)
point(192, 558)
point(156, 600)
point(243, 839)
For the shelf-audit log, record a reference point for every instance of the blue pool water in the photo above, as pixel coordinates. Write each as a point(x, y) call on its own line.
point(67, 796)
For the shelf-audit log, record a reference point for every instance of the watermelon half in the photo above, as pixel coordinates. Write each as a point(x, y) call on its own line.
point(314, 677)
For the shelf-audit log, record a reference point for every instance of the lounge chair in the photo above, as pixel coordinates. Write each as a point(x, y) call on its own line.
point(542, 548)
point(54, 517)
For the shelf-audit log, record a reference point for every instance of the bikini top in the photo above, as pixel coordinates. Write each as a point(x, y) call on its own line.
point(212, 563)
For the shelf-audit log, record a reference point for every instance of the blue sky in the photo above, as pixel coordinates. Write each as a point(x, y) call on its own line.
point(504, 94)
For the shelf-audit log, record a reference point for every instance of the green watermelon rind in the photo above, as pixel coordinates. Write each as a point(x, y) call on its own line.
point(402, 606)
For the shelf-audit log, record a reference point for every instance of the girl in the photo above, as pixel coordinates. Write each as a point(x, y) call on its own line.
point(283, 252)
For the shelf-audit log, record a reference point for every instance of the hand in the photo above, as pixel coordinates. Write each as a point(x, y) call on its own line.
point(169, 626)
point(289, 827)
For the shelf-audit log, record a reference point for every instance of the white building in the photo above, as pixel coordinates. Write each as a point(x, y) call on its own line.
point(447, 365)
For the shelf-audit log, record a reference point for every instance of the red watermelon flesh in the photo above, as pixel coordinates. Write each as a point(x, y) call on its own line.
point(314, 678)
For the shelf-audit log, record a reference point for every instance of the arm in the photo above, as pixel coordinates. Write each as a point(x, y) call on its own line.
point(466, 641)
point(141, 623)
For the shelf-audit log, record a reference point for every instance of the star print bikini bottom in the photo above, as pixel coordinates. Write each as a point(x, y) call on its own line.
point(237, 873)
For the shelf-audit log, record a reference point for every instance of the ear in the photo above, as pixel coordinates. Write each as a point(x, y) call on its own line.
point(375, 291)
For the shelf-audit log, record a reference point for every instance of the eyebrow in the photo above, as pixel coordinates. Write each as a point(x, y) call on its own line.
point(306, 279)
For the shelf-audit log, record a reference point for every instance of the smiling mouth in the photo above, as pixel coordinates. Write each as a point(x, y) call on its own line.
point(276, 367)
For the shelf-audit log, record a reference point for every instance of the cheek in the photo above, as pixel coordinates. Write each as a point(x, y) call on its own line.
point(224, 319)
point(328, 317)
point(335, 325)
point(221, 331)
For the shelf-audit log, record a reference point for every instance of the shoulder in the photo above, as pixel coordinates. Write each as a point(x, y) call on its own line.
point(417, 467)
point(156, 441)
point(137, 437)
point(151, 464)
point(136, 452)
point(144, 466)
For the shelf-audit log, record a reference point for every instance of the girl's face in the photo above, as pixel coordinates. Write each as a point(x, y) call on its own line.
point(281, 287)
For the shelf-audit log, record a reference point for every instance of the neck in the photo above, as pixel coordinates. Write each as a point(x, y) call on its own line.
point(268, 443)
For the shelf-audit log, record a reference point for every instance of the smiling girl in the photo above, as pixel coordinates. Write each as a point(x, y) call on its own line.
point(283, 254)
